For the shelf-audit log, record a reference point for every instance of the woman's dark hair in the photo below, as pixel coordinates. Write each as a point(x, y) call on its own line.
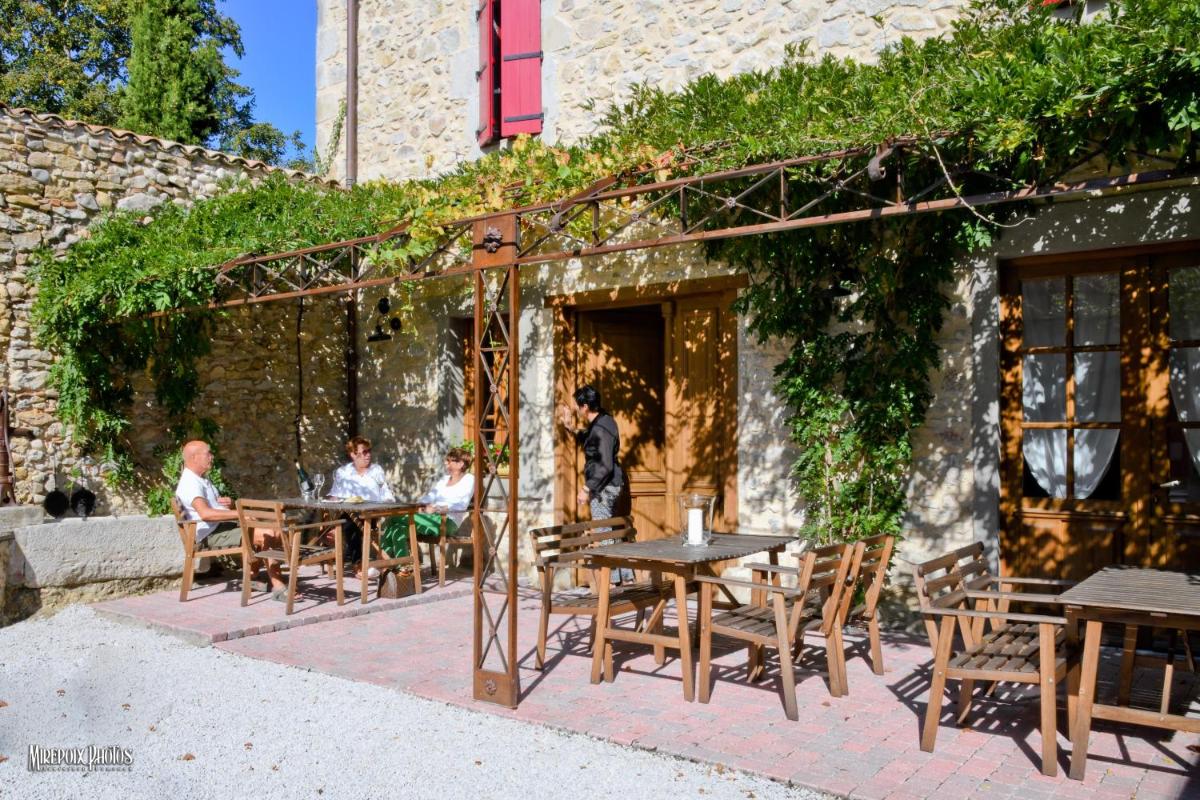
point(459, 455)
point(588, 396)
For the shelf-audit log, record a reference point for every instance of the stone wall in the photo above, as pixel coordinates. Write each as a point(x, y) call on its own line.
point(59, 176)
point(418, 102)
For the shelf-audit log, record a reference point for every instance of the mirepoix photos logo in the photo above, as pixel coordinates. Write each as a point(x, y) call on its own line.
point(80, 759)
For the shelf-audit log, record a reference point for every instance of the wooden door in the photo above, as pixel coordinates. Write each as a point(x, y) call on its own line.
point(702, 406)
point(667, 371)
point(621, 353)
point(1091, 439)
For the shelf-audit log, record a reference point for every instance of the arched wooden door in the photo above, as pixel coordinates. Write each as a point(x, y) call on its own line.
point(1100, 411)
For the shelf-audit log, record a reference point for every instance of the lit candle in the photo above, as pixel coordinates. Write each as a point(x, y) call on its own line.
point(695, 526)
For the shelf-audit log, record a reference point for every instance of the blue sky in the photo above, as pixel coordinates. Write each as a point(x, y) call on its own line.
point(280, 39)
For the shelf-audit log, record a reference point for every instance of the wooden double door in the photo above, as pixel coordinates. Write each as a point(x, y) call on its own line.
point(666, 368)
point(1100, 411)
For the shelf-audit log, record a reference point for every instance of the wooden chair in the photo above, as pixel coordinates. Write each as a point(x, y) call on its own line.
point(868, 571)
point(997, 645)
point(187, 536)
point(815, 603)
point(438, 548)
point(565, 547)
point(268, 516)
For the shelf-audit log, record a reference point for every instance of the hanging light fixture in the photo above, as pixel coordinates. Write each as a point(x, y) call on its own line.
point(387, 324)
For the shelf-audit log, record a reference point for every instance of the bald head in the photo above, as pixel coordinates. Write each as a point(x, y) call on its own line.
point(197, 456)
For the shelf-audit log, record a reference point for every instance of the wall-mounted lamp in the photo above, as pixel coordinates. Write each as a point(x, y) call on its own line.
point(386, 325)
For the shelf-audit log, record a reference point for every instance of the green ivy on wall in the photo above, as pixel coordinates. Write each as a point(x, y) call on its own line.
point(860, 305)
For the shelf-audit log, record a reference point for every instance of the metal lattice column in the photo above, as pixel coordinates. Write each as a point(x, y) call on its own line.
point(497, 389)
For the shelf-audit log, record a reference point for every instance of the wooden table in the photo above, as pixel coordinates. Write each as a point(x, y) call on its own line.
point(684, 562)
point(369, 517)
point(1132, 597)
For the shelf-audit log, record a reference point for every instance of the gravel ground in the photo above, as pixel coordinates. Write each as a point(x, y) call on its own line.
point(204, 723)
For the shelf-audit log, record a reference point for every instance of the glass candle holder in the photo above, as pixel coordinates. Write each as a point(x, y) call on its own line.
point(695, 516)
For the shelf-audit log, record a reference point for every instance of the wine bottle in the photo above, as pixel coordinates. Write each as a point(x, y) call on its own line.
point(306, 485)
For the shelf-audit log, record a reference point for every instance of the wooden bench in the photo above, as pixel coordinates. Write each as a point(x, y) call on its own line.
point(561, 547)
point(998, 645)
point(187, 536)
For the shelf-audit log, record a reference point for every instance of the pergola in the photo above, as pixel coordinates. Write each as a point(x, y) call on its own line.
point(617, 214)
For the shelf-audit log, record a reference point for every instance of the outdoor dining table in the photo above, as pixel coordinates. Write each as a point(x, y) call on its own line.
point(683, 562)
point(1132, 597)
point(369, 517)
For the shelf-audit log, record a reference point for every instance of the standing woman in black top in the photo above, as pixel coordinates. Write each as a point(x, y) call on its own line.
point(603, 479)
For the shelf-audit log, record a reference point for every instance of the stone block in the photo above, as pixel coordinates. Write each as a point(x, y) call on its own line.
point(73, 552)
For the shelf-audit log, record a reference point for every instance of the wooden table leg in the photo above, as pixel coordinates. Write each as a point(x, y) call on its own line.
point(414, 552)
point(685, 638)
point(1087, 696)
point(601, 624)
point(656, 617)
point(364, 582)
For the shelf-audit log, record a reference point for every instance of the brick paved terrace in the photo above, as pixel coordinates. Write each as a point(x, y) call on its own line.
point(864, 745)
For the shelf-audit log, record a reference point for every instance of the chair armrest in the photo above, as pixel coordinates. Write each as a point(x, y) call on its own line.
point(1035, 581)
point(1005, 615)
point(777, 569)
point(326, 524)
point(1026, 597)
point(762, 587)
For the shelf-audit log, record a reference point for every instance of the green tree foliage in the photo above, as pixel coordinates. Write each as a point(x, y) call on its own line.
point(179, 85)
point(1011, 92)
point(64, 57)
point(166, 76)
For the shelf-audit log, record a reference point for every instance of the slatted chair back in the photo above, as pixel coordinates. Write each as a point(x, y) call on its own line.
point(565, 545)
point(261, 515)
point(185, 526)
point(943, 582)
point(868, 572)
point(823, 578)
point(864, 584)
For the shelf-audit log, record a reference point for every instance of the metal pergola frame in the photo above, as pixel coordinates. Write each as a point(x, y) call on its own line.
point(612, 216)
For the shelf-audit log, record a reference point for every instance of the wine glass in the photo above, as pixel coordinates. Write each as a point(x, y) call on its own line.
point(319, 483)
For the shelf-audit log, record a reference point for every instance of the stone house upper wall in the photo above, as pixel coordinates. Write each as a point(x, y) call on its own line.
point(417, 97)
point(56, 178)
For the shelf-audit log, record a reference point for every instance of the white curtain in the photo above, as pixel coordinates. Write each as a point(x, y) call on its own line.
point(1183, 295)
point(1044, 397)
point(1097, 399)
point(1185, 391)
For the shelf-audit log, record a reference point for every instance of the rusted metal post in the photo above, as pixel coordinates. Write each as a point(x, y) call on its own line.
point(497, 393)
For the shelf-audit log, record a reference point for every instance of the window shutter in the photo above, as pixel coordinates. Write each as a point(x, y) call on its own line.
point(520, 67)
point(485, 74)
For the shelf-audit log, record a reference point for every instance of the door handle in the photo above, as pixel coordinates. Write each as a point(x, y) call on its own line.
point(1170, 484)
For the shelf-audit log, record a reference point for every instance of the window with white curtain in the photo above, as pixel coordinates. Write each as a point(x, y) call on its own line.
point(1183, 444)
point(1071, 385)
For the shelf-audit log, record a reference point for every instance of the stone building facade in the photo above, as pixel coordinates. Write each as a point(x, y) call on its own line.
point(418, 107)
point(418, 112)
point(56, 178)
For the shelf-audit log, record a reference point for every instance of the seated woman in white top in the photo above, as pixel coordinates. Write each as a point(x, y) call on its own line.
point(449, 497)
point(362, 479)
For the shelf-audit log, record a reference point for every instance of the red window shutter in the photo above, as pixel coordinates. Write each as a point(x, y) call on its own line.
point(520, 67)
point(485, 74)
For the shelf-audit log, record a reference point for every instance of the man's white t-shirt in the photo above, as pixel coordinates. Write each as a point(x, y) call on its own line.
point(189, 488)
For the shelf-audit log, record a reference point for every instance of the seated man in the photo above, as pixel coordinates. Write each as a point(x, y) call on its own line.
point(216, 520)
